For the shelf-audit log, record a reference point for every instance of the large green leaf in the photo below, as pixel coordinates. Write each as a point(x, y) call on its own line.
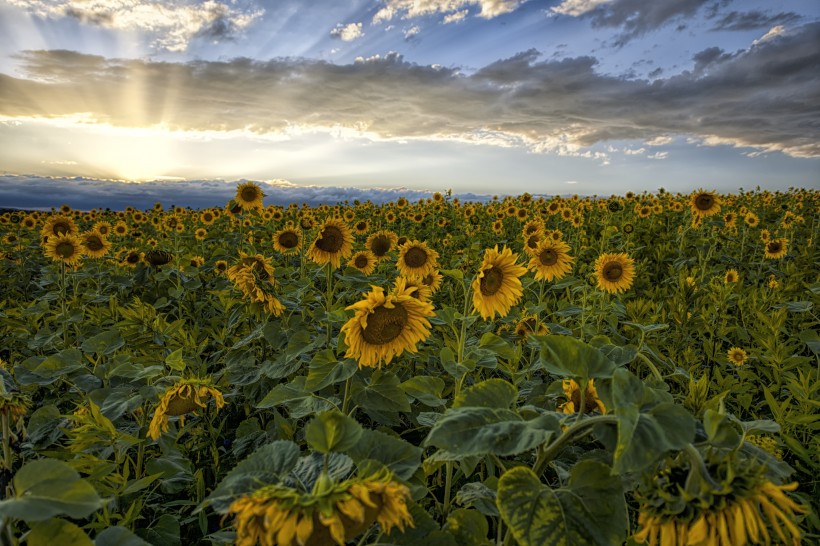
point(426, 389)
point(469, 527)
point(103, 343)
point(294, 397)
point(401, 457)
point(57, 531)
point(569, 357)
point(478, 431)
point(590, 510)
point(267, 465)
point(648, 424)
point(332, 431)
point(325, 369)
point(492, 393)
point(382, 394)
point(118, 536)
point(46, 488)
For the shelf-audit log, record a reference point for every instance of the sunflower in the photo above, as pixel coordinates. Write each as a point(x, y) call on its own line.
point(333, 513)
point(364, 261)
point(182, 398)
point(529, 325)
point(727, 503)
point(551, 260)
point(751, 219)
point(131, 257)
point(573, 393)
point(497, 286)
point(14, 405)
point(207, 217)
point(737, 356)
point(704, 203)
point(64, 248)
point(776, 248)
point(615, 272)
point(433, 281)
point(120, 229)
point(94, 244)
point(416, 258)
point(200, 234)
point(158, 258)
point(197, 261)
point(416, 286)
point(730, 277)
point(287, 240)
point(103, 228)
point(221, 266)
point(361, 227)
point(333, 243)
point(386, 325)
point(531, 242)
point(59, 225)
point(249, 196)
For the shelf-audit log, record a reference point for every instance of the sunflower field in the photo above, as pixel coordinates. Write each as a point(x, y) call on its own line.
point(638, 369)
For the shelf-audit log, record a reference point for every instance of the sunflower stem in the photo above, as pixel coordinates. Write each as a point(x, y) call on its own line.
point(448, 484)
point(7, 455)
point(576, 431)
point(329, 299)
point(346, 399)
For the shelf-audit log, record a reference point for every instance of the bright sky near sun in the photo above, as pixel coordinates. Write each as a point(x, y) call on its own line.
point(481, 96)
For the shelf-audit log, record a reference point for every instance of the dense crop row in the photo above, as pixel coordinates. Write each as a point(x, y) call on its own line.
point(536, 371)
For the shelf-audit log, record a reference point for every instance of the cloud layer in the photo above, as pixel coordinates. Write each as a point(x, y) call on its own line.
point(756, 97)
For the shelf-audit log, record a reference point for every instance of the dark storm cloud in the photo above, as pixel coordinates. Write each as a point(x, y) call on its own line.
point(752, 20)
point(38, 192)
point(766, 97)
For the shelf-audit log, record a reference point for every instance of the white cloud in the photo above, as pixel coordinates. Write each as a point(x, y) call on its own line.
point(347, 33)
point(774, 31)
point(576, 8)
point(172, 25)
point(659, 141)
point(455, 17)
point(411, 32)
point(630, 151)
point(658, 155)
point(455, 9)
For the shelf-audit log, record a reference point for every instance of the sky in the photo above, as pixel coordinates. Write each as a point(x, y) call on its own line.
point(106, 101)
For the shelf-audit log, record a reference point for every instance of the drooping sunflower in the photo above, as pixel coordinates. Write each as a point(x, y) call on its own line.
point(364, 261)
point(184, 397)
point(333, 243)
point(737, 356)
point(615, 272)
point(59, 225)
point(333, 513)
point(65, 248)
point(551, 260)
point(416, 258)
point(704, 203)
point(94, 244)
point(381, 243)
point(529, 325)
point(721, 503)
point(572, 391)
point(158, 258)
point(287, 240)
point(497, 286)
point(386, 325)
point(249, 196)
point(776, 248)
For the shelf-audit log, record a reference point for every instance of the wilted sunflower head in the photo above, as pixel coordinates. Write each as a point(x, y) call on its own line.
point(184, 397)
point(529, 325)
point(158, 258)
point(574, 404)
point(615, 272)
point(14, 405)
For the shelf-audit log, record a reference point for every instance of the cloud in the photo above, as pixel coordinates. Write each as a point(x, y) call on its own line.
point(452, 9)
point(760, 98)
point(40, 192)
point(411, 32)
point(774, 31)
point(171, 24)
point(347, 33)
point(752, 20)
point(634, 17)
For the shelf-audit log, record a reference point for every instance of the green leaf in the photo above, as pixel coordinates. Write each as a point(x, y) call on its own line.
point(469, 527)
point(426, 389)
point(57, 531)
point(118, 536)
point(479, 496)
point(492, 393)
point(590, 510)
point(325, 369)
point(267, 465)
point(382, 394)
point(332, 431)
point(293, 396)
point(720, 430)
point(103, 343)
point(46, 488)
point(566, 356)
point(497, 345)
point(175, 361)
point(401, 457)
point(478, 431)
point(647, 426)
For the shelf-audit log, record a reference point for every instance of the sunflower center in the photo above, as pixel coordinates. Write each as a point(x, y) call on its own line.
point(774, 247)
point(491, 281)
point(61, 228)
point(704, 201)
point(94, 244)
point(533, 241)
point(384, 325)
point(415, 257)
point(65, 250)
point(613, 271)
point(360, 261)
point(180, 405)
point(249, 194)
point(548, 257)
point(331, 240)
point(288, 239)
point(133, 258)
point(380, 245)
